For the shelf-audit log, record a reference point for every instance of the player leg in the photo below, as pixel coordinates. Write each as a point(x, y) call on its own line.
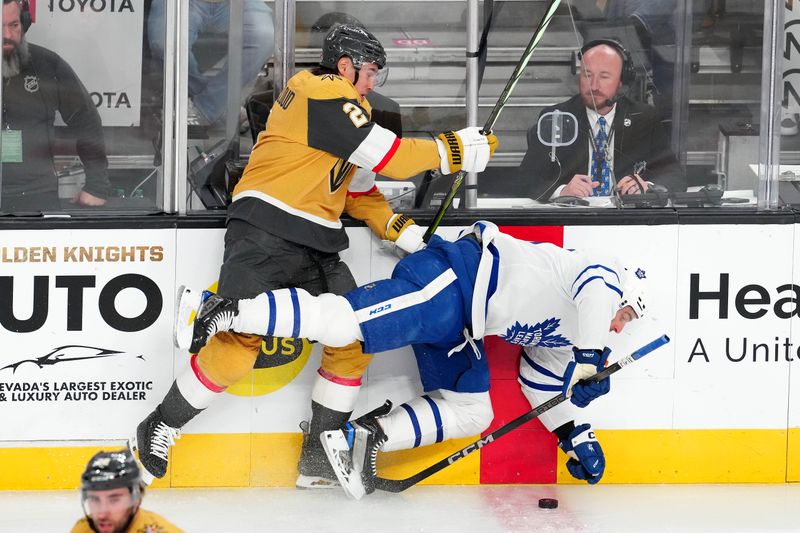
point(336, 385)
point(459, 406)
point(415, 306)
point(339, 379)
point(221, 363)
point(333, 398)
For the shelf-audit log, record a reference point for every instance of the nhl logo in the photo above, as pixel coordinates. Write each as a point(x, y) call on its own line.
point(31, 83)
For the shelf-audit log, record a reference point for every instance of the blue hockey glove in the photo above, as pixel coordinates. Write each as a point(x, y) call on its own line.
point(583, 392)
point(586, 364)
point(586, 459)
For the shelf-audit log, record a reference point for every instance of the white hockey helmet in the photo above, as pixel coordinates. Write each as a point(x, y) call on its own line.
point(633, 290)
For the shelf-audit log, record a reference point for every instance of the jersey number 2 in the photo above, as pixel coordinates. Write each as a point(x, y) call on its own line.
point(357, 116)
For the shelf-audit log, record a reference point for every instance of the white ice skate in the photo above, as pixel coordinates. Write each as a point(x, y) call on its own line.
point(199, 316)
point(340, 456)
point(186, 306)
point(353, 451)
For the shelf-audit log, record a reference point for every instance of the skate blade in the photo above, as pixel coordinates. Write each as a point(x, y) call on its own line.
point(186, 306)
point(315, 483)
point(147, 477)
point(334, 443)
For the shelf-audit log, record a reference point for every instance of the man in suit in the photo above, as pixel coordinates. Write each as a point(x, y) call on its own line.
point(621, 146)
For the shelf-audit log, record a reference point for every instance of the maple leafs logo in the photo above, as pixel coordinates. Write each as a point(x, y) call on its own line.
point(542, 334)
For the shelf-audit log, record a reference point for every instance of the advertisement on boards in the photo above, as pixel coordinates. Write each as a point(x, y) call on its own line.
point(86, 329)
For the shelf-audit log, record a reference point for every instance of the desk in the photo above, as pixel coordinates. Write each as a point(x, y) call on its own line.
point(788, 183)
point(785, 172)
point(742, 198)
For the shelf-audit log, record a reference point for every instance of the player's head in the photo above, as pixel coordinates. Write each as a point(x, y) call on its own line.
point(111, 490)
point(633, 303)
point(634, 291)
point(354, 42)
point(354, 53)
point(600, 76)
point(15, 48)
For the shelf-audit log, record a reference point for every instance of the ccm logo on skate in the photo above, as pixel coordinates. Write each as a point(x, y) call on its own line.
point(469, 449)
point(380, 309)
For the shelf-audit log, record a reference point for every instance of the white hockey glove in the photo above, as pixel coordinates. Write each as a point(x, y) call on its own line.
point(405, 234)
point(468, 150)
point(587, 363)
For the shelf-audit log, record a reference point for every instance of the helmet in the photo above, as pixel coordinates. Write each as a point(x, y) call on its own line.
point(354, 42)
point(633, 290)
point(111, 470)
point(322, 26)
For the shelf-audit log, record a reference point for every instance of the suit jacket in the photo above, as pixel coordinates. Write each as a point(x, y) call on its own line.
point(638, 136)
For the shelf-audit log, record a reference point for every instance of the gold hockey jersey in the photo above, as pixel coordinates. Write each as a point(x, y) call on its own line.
point(317, 158)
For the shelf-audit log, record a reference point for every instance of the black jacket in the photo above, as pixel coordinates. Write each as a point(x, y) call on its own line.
point(47, 84)
point(638, 136)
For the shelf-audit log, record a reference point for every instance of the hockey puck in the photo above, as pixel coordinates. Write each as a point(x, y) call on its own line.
point(548, 503)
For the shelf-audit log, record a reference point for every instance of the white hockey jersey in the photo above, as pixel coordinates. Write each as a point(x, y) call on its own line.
point(547, 299)
point(538, 294)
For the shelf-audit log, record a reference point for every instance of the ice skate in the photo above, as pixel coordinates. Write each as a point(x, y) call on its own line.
point(151, 442)
point(200, 316)
point(186, 306)
point(353, 452)
point(314, 471)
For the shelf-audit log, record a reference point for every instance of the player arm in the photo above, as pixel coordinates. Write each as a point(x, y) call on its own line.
point(597, 291)
point(365, 202)
point(585, 456)
point(451, 151)
point(342, 127)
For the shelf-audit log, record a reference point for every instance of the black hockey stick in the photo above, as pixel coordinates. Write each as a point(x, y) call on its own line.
point(523, 62)
point(498, 107)
point(443, 208)
point(399, 485)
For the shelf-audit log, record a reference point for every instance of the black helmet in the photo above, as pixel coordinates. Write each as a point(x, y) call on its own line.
point(111, 470)
point(322, 26)
point(354, 42)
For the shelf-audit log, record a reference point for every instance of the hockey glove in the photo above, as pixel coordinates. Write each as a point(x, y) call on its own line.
point(586, 459)
point(586, 364)
point(468, 150)
point(405, 234)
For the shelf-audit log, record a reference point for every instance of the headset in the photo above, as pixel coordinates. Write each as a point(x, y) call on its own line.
point(628, 68)
point(25, 16)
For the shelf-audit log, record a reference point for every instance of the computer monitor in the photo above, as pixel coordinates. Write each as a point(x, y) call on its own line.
point(208, 175)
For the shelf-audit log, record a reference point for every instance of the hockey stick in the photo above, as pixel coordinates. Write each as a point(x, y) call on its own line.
point(498, 107)
point(443, 208)
point(399, 485)
point(523, 62)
